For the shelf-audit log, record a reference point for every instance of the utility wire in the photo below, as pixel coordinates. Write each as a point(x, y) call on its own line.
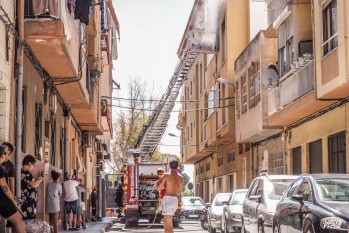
point(153, 110)
point(176, 101)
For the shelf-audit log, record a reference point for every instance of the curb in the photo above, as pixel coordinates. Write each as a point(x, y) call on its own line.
point(108, 226)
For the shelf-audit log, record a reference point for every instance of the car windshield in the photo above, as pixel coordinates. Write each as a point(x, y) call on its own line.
point(238, 198)
point(277, 188)
point(224, 197)
point(192, 202)
point(333, 189)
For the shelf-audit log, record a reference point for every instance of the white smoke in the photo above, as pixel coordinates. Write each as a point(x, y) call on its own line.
point(205, 31)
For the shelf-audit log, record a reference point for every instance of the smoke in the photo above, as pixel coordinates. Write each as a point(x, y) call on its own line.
point(204, 33)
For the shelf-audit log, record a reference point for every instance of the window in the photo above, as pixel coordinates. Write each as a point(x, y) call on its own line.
point(255, 82)
point(315, 152)
point(197, 171)
point(38, 128)
point(231, 183)
point(219, 184)
point(243, 94)
point(223, 104)
point(305, 191)
point(191, 88)
point(208, 166)
point(191, 130)
point(238, 99)
point(231, 156)
point(247, 147)
point(336, 153)
point(241, 148)
point(220, 161)
point(295, 187)
point(259, 190)
point(202, 126)
point(329, 27)
point(253, 188)
point(282, 60)
point(224, 41)
point(297, 160)
point(188, 133)
point(244, 172)
point(53, 142)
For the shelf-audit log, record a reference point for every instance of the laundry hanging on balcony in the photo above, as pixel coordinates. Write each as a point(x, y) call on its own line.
point(45, 7)
point(82, 10)
point(104, 20)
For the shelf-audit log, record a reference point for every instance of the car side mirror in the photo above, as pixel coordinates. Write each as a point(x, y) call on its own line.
point(257, 198)
point(225, 202)
point(207, 205)
point(297, 198)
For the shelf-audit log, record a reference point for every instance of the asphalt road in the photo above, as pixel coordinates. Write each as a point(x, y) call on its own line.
point(184, 226)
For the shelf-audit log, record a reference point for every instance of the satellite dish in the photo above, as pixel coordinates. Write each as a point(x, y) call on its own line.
point(270, 77)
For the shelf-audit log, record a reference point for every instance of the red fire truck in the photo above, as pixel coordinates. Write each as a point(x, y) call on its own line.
point(140, 196)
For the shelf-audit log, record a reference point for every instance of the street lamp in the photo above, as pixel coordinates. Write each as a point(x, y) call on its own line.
point(173, 135)
point(225, 82)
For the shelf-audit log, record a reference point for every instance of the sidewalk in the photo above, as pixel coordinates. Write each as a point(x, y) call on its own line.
point(99, 226)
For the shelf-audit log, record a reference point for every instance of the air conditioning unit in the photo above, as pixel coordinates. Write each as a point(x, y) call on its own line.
point(53, 103)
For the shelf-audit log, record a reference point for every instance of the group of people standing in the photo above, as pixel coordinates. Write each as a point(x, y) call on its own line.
point(21, 213)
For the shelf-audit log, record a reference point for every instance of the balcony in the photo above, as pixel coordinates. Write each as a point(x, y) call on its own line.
point(294, 98)
point(106, 121)
point(181, 120)
point(54, 39)
point(251, 124)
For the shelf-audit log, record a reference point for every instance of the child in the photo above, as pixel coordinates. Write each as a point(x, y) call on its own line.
point(160, 173)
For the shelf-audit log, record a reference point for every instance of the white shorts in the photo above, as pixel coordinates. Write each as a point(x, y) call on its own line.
point(169, 205)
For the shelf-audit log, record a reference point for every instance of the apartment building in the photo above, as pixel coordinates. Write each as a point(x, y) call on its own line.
point(67, 79)
point(310, 101)
point(207, 120)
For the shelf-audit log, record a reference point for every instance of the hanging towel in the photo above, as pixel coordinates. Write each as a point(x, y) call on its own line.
point(104, 21)
point(82, 10)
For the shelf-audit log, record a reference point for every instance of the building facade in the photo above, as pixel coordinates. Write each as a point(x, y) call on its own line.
point(207, 121)
point(291, 122)
point(67, 79)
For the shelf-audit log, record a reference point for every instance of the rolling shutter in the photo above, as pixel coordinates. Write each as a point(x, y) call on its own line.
point(315, 152)
point(297, 160)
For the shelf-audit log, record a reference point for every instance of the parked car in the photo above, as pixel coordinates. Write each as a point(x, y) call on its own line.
point(314, 203)
point(261, 199)
point(232, 212)
point(192, 207)
point(214, 215)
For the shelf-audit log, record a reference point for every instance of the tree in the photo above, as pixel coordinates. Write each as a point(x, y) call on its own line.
point(130, 120)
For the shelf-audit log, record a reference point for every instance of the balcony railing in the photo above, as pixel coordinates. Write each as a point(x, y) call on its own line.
point(274, 9)
point(292, 88)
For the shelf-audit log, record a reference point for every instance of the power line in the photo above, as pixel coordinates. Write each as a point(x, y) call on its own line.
point(176, 101)
point(153, 110)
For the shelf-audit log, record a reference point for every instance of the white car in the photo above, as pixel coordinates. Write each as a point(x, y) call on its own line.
point(215, 211)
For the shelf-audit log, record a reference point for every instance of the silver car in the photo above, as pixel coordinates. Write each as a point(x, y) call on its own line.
point(214, 214)
point(232, 212)
point(261, 199)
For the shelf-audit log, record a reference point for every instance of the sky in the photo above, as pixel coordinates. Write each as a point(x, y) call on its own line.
point(150, 34)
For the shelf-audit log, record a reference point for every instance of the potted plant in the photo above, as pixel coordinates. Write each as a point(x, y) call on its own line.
point(95, 72)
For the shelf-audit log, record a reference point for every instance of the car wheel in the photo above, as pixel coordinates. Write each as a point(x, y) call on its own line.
point(309, 228)
point(204, 225)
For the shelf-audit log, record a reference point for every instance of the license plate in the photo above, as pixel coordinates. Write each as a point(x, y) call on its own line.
point(193, 216)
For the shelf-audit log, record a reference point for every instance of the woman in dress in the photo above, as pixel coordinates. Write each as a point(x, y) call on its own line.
point(8, 204)
point(54, 192)
point(29, 188)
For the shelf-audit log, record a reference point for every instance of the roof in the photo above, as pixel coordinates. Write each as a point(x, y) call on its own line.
point(189, 23)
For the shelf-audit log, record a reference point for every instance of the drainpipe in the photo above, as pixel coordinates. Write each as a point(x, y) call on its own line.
point(19, 129)
point(18, 157)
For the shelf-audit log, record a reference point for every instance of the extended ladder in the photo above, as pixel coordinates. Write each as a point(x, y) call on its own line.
point(152, 131)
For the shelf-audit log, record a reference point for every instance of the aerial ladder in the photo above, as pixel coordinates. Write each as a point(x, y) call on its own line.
point(153, 130)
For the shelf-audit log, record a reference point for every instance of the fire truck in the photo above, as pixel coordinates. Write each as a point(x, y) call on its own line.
point(140, 195)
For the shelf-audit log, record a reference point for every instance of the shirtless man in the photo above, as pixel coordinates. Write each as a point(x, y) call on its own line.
point(174, 184)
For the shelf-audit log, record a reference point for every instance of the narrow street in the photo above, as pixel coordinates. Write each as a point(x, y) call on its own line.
point(185, 226)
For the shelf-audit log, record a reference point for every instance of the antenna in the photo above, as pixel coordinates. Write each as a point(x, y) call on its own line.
point(270, 77)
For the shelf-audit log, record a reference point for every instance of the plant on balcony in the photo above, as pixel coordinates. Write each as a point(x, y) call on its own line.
point(95, 72)
point(104, 105)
